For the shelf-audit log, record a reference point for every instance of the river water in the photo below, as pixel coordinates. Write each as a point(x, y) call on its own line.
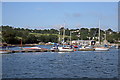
point(78, 64)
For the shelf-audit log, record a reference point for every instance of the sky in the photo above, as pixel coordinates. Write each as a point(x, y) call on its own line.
point(47, 15)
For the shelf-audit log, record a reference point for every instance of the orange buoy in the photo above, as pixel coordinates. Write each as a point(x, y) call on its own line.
point(74, 49)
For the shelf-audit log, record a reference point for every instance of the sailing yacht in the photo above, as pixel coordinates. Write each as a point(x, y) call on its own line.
point(55, 47)
point(66, 48)
point(100, 48)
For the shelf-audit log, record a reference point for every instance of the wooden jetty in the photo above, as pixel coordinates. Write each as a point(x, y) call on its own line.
point(25, 51)
point(19, 51)
point(86, 49)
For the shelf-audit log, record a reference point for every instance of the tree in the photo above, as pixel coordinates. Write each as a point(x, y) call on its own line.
point(9, 37)
point(110, 30)
point(31, 39)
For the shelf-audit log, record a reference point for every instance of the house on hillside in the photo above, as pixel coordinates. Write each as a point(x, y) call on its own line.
point(84, 42)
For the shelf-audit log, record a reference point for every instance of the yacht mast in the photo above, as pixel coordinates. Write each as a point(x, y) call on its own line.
point(105, 35)
point(70, 37)
point(59, 37)
point(63, 34)
point(99, 32)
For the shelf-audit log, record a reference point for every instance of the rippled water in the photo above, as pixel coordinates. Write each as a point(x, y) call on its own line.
point(92, 64)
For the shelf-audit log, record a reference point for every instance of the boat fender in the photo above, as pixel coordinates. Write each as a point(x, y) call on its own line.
point(74, 49)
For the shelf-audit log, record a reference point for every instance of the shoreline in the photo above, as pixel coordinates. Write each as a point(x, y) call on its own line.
point(31, 45)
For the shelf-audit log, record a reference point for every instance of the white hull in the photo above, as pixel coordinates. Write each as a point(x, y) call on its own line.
point(62, 49)
point(101, 49)
point(86, 49)
point(32, 48)
point(53, 49)
point(82, 48)
point(2, 52)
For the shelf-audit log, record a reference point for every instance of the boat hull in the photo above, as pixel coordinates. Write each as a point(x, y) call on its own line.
point(32, 48)
point(101, 49)
point(4, 51)
point(75, 46)
point(61, 49)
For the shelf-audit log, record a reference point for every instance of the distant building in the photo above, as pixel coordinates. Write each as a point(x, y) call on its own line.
point(110, 32)
point(105, 42)
point(84, 42)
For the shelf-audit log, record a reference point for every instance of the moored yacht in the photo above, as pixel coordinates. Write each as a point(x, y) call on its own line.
point(101, 48)
point(65, 49)
point(68, 48)
point(86, 48)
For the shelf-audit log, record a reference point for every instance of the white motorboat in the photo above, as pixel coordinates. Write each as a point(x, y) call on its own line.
point(82, 47)
point(117, 47)
point(86, 48)
point(65, 49)
point(4, 51)
point(54, 49)
point(101, 48)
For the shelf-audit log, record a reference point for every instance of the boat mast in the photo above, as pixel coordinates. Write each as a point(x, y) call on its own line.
point(59, 37)
point(105, 36)
point(99, 32)
point(21, 43)
point(70, 37)
point(63, 34)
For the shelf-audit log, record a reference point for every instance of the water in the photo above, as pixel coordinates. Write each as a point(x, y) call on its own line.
point(91, 64)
